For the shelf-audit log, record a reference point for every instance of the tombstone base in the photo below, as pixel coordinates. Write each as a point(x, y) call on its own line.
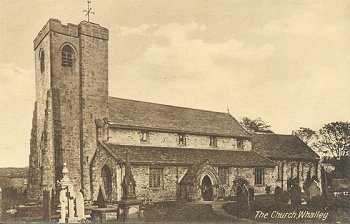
point(128, 210)
point(109, 214)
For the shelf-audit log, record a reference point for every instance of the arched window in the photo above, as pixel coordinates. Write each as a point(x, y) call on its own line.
point(42, 60)
point(67, 56)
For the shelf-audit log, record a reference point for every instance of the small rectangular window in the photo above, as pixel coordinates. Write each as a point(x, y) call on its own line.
point(155, 176)
point(223, 174)
point(182, 139)
point(144, 136)
point(259, 176)
point(213, 141)
point(239, 143)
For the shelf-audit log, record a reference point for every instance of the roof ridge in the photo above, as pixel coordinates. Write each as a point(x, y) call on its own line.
point(167, 105)
point(256, 133)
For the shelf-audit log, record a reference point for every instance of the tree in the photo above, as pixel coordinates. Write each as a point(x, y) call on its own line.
point(256, 125)
point(307, 135)
point(335, 136)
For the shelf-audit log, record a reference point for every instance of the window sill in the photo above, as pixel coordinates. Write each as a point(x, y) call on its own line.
point(155, 188)
point(181, 145)
point(259, 185)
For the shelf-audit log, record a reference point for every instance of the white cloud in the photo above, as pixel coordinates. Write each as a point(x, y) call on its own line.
point(186, 56)
point(137, 30)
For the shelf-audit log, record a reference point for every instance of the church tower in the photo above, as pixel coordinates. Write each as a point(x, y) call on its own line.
point(71, 75)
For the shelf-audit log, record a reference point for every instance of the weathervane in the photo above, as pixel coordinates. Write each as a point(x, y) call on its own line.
point(88, 11)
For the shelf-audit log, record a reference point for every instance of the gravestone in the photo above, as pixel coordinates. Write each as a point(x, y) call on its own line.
point(295, 195)
point(129, 206)
point(63, 205)
point(67, 197)
point(47, 206)
point(101, 199)
point(245, 197)
point(314, 190)
point(80, 206)
point(243, 203)
point(278, 195)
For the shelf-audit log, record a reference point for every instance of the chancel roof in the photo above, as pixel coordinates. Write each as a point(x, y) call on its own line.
point(281, 147)
point(137, 114)
point(189, 156)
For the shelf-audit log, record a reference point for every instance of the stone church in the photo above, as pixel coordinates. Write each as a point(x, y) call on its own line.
point(175, 152)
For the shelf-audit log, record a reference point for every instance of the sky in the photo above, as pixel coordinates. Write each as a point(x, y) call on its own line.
point(287, 62)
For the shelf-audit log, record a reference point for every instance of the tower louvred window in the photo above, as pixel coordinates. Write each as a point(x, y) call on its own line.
point(67, 56)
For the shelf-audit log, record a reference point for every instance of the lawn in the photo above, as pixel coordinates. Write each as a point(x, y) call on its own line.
point(174, 211)
point(338, 209)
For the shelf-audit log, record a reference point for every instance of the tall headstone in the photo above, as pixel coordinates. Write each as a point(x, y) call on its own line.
point(278, 195)
point(314, 189)
point(128, 199)
point(47, 206)
point(128, 184)
point(67, 197)
point(71, 205)
point(245, 197)
point(80, 206)
point(63, 205)
point(295, 195)
point(101, 198)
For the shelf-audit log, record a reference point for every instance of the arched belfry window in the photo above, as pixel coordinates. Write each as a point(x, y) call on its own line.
point(42, 60)
point(67, 56)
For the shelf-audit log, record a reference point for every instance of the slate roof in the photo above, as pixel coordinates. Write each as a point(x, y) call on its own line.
point(289, 147)
point(189, 156)
point(131, 113)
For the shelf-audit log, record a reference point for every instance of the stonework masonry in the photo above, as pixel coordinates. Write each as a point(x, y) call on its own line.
point(163, 139)
point(71, 124)
point(68, 100)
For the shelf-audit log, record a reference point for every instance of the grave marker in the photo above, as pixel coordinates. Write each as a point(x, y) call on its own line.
point(314, 190)
point(47, 205)
point(80, 206)
point(278, 195)
point(295, 195)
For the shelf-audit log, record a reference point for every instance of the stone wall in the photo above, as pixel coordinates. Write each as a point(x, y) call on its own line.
point(162, 139)
point(168, 187)
point(248, 174)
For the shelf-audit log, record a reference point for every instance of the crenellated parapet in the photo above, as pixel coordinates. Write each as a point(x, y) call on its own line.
point(84, 28)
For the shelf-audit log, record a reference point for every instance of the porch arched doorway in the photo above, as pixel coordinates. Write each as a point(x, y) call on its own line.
point(106, 176)
point(207, 189)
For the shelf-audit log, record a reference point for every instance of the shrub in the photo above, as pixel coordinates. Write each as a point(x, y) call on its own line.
point(332, 202)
